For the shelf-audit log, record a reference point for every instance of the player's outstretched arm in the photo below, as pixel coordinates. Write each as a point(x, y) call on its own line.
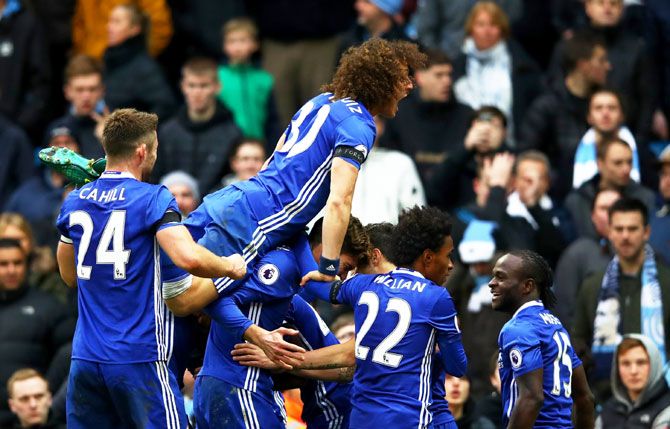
point(335, 356)
point(248, 354)
point(199, 294)
point(529, 403)
point(177, 242)
point(336, 219)
point(66, 263)
point(583, 400)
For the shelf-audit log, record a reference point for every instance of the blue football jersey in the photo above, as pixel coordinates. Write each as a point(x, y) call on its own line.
point(295, 185)
point(399, 316)
point(440, 406)
point(534, 338)
point(112, 224)
point(326, 404)
point(263, 298)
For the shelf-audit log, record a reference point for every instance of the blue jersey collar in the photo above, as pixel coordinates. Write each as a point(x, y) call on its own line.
point(116, 175)
point(536, 303)
point(409, 271)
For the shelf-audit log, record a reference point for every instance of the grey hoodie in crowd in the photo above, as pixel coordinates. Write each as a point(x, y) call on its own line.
point(652, 408)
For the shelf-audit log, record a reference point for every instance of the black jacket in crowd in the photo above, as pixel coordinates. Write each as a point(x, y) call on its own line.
point(33, 326)
point(16, 159)
point(526, 81)
point(200, 149)
point(426, 131)
point(24, 70)
point(579, 202)
point(133, 79)
point(631, 75)
point(554, 124)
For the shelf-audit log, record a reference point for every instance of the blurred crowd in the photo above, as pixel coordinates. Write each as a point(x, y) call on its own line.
point(537, 125)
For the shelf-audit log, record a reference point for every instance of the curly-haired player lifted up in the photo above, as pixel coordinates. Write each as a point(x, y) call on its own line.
point(315, 163)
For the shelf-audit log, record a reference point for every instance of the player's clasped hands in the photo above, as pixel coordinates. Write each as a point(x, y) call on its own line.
point(284, 354)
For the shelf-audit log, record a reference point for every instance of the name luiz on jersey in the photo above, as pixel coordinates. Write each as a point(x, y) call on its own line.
point(116, 194)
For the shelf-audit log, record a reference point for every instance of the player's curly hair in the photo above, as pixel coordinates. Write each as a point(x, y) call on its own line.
point(537, 268)
point(373, 73)
point(357, 242)
point(418, 229)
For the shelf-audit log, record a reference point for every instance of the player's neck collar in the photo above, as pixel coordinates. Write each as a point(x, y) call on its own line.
point(401, 270)
point(533, 303)
point(116, 175)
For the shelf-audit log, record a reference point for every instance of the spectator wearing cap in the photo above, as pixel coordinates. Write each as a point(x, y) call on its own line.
point(660, 221)
point(39, 198)
point(185, 190)
point(468, 286)
point(84, 90)
point(16, 158)
point(430, 123)
point(375, 18)
point(493, 69)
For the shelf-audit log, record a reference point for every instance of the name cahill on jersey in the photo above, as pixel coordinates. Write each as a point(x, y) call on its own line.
point(115, 194)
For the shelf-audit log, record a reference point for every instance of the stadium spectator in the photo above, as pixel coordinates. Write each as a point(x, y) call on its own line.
point(38, 199)
point(610, 303)
point(660, 221)
point(375, 18)
point(641, 397)
point(556, 120)
point(185, 190)
point(468, 285)
point(25, 73)
point(42, 272)
point(451, 184)
point(16, 159)
point(246, 160)
point(246, 89)
point(493, 69)
point(462, 405)
point(380, 196)
point(199, 138)
point(30, 400)
point(343, 327)
point(614, 158)
point(631, 73)
point(34, 325)
point(85, 92)
point(585, 256)
point(490, 406)
point(132, 78)
point(430, 123)
point(300, 43)
point(606, 118)
point(90, 34)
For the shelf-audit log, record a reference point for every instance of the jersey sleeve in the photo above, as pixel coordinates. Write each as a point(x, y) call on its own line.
point(444, 319)
point(62, 222)
point(348, 291)
point(172, 275)
point(160, 203)
point(354, 141)
point(274, 276)
point(576, 362)
point(227, 313)
point(523, 349)
point(309, 323)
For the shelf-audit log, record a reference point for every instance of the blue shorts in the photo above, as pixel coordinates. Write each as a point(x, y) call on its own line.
point(139, 395)
point(217, 404)
point(225, 223)
point(340, 421)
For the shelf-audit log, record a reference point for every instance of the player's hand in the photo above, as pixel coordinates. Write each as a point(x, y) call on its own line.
point(275, 348)
point(248, 354)
point(316, 276)
point(238, 266)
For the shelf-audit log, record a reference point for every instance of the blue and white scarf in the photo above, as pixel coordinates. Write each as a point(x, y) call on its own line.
point(607, 324)
point(585, 157)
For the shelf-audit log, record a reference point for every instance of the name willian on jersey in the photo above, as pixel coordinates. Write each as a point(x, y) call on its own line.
point(400, 283)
